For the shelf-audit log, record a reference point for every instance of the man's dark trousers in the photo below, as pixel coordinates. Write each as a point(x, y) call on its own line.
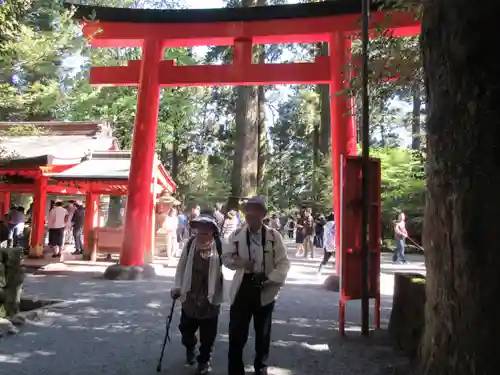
point(247, 305)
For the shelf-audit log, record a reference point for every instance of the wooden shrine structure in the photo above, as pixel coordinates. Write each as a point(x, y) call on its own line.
point(69, 159)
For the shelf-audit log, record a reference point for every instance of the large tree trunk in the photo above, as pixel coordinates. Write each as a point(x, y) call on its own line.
point(114, 211)
point(175, 168)
point(246, 156)
point(461, 220)
point(245, 167)
point(261, 120)
point(416, 133)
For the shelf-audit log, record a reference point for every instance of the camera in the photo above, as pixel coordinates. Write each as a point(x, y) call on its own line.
point(259, 280)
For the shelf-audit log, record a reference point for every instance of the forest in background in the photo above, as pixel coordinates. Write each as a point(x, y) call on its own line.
point(223, 141)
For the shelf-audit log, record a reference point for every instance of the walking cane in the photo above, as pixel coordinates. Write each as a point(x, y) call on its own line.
point(167, 334)
point(416, 244)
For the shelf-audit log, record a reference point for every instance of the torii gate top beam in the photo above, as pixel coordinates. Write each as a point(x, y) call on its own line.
point(293, 23)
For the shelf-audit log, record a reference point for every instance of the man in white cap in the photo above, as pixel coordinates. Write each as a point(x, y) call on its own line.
point(199, 286)
point(258, 255)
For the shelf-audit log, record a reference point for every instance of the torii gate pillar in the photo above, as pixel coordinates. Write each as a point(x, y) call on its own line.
point(143, 156)
point(140, 188)
point(343, 124)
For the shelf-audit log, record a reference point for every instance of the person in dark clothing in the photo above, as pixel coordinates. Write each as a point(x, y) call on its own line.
point(199, 286)
point(306, 225)
point(258, 255)
point(4, 228)
point(319, 231)
point(16, 226)
point(78, 221)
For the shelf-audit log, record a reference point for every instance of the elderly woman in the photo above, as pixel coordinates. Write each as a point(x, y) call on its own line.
point(199, 286)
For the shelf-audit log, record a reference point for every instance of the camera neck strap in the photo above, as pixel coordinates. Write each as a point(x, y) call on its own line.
point(263, 245)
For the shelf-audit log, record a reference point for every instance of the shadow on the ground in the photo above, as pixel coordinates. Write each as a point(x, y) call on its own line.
point(117, 327)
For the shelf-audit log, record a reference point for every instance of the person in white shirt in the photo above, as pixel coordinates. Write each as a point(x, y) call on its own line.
point(275, 222)
point(400, 235)
point(58, 217)
point(68, 235)
point(170, 228)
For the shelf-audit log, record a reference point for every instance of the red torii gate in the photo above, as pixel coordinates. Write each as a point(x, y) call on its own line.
point(155, 30)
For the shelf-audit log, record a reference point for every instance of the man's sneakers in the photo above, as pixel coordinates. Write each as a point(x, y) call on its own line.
point(204, 368)
point(262, 371)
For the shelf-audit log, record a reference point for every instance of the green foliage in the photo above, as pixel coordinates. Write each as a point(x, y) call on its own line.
point(32, 71)
point(23, 130)
point(403, 188)
point(44, 74)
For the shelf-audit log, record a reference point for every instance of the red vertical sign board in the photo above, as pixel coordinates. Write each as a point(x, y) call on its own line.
point(351, 287)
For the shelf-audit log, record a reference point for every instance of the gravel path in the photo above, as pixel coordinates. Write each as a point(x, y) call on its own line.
point(116, 328)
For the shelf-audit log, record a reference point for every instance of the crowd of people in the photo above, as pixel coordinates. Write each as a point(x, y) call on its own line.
point(65, 224)
point(175, 225)
point(310, 233)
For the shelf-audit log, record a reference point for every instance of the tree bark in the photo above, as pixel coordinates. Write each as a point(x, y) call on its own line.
point(416, 132)
point(246, 156)
point(245, 167)
point(114, 211)
point(175, 168)
point(461, 220)
point(261, 120)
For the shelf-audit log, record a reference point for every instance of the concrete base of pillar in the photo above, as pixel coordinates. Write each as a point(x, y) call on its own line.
point(36, 252)
point(119, 272)
point(332, 283)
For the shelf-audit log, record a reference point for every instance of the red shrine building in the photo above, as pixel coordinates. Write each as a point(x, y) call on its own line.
point(71, 159)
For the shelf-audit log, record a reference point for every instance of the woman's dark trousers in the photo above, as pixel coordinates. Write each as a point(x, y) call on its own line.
point(208, 333)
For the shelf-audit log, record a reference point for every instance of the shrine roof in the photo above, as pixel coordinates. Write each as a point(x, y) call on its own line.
point(60, 143)
point(260, 13)
point(65, 128)
point(105, 165)
point(98, 168)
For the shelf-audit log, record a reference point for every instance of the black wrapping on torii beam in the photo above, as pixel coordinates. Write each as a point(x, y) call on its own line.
point(262, 13)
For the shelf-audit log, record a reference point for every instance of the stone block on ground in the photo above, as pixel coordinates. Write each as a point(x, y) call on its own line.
point(11, 281)
point(7, 327)
point(407, 321)
point(119, 272)
point(332, 283)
